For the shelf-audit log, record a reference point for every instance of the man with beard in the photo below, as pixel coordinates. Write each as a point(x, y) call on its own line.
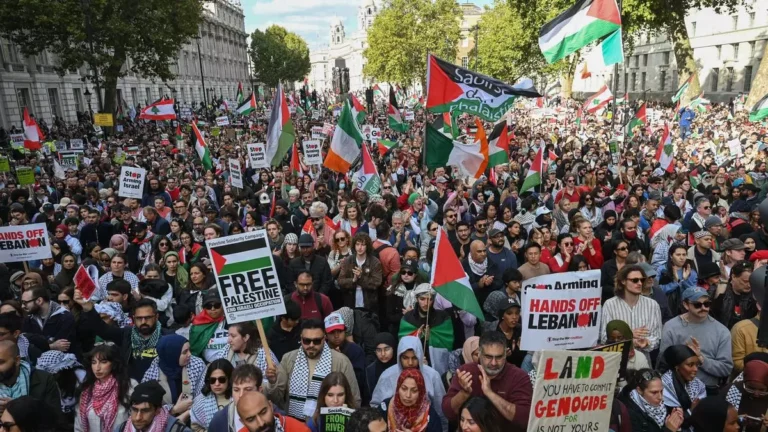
point(126, 225)
point(310, 262)
point(96, 231)
point(295, 383)
point(322, 234)
point(147, 412)
point(461, 244)
point(484, 276)
point(18, 378)
point(257, 415)
point(49, 319)
point(138, 343)
point(500, 255)
point(505, 385)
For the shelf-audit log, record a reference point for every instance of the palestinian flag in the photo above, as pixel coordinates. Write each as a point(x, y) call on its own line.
point(238, 257)
point(248, 106)
point(377, 91)
point(677, 112)
point(665, 151)
point(639, 119)
point(694, 178)
point(533, 177)
point(581, 24)
point(300, 111)
point(160, 110)
point(394, 115)
point(701, 104)
point(202, 149)
point(280, 134)
point(449, 278)
point(499, 137)
point(179, 136)
point(33, 136)
point(579, 116)
point(345, 144)
point(494, 154)
point(367, 178)
point(440, 341)
point(260, 90)
point(598, 100)
point(683, 88)
point(295, 162)
point(760, 110)
point(239, 96)
point(385, 146)
point(623, 100)
point(358, 109)
point(450, 87)
point(442, 151)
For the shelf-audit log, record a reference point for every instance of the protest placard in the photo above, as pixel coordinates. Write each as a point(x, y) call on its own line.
point(24, 243)
point(17, 141)
point(312, 153)
point(215, 131)
point(409, 116)
point(335, 419)
point(316, 114)
point(119, 128)
point(164, 139)
point(69, 161)
point(5, 165)
point(317, 132)
point(257, 153)
point(328, 129)
point(76, 144)
point(574, 390)
point(235, 173)
point(222, 121)
point(561, 311)
point(246, 276)
point(25, 175)
point(103, 119)
point(624, 348)
point(132, 182)
point(375, 134)
point(734, 147)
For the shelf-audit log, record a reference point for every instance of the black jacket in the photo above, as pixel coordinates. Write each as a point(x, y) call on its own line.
point(321, 273)
point(59, 325)
point(491, 270)
point(43, 387)
point(281, 341)
point(100, 233)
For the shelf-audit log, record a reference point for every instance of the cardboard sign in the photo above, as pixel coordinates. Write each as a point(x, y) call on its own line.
point(76, 144)
point(103, 119)
point(235, 173)
point(25, 175)
point(24, 243)
point(574, 391)
point(317, 132)
point(312, 153)
point(17, 141)
point(624, 348)
point(246, 276)
point(561, 311)
point(316, 115)
point(257, 154)
point(410, 116)
point(132, 182)
point(335, 419)
point(5, 165)
point(222, 121)
point(69, 161)
point(215, 131)
point(164, 139)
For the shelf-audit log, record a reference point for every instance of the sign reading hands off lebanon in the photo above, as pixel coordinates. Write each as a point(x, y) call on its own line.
point(24, 243)
point(246, 277)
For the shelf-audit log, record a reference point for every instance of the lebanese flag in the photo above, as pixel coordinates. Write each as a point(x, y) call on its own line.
point(160, 110)
point(598, 100)
point(449, 278)
point(33, 136)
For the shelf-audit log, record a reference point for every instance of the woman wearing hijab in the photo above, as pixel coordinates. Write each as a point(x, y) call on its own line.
point(681, 387)
point(645, 403)
point(173, 272)
point(749, 393)
point(619, 331)
point(105, 258)
point(469, 353)
point(714, 415)
point(410, 408)
point(119, 242)
point(49, 268)
point(385, 344)
point(181, 374)
point(66, 275)
point(604, 231)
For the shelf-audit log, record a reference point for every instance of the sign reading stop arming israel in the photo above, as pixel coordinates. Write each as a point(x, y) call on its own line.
point(246, 276)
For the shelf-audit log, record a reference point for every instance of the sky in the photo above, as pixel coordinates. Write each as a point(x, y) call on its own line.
point(311, 19)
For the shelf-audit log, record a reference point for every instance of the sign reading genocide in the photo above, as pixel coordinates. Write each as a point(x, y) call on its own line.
point(24, 243)
point(246, 276)
point(561, 311)
point(335, 419)
point(235, 173)
point(132, 182)
point(257, 153)
point(574, 390)
point(312, 153)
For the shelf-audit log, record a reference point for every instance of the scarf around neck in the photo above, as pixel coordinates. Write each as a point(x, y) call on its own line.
point(21, 386)
point(158, 424)
point(303, 388)
point(139, 344)
point(102, 397)
point(657, 413)
point(478, 268)
point(415, 417)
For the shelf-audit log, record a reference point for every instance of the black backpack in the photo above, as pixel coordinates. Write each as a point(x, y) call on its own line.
point(378, 250)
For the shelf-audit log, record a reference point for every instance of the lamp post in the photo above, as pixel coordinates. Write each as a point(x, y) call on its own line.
point(88, 95)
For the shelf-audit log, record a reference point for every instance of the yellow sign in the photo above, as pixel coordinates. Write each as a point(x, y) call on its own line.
point(103, 119)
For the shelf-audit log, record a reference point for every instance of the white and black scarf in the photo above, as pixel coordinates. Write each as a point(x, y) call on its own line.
point(657, 413)
point(478, 268)
point(302, 388)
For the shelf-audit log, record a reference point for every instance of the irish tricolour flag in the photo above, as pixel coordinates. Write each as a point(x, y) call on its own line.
point(160, 110)
point(583, 23)
point(346, 142)
point(449, 278)
point(760, 110)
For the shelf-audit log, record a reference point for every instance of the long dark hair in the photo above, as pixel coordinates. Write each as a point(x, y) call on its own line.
point(223, 365)
point(249, 328)
point(484, 414)
point(110, 353)
point(330, 380)
point(26, 412)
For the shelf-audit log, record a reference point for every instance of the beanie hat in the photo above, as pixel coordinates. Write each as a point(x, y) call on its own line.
point(412, 198)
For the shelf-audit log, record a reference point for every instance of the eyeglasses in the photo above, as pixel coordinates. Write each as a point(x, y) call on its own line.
point(698, 305)
point(387, 187)
point(315, 341)
point(26, 302)
point(635, 280)
point(407, 273)
point(433, 229)
point(622, 249)
point(220, 380)
point(481, 226)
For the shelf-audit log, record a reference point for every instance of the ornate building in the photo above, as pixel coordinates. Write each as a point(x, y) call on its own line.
point(31, 81)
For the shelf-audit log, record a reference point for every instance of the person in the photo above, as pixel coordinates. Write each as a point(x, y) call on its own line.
point(148, 413)
point(208, 334)
point(533, 266)
point(180, 373)
point(735, 301)
point(619, 331)
point(314, 304)
point(367, 419)
point(709, 339)
point(19, 378)
point(587, 245)
point(361, 278)
point(292, 387)
point(682, 389)
point(714, 415)
point(68, 373)
point(630, 305)
point(46, 317)
point(117, 270)
point(104, 394)
point(612, 266)
point(215, 395)
point(335, 330)
point(506, 313)
point(676, 276)
point(245, 378)
point(499, 254)
point(479, 415)
point(334, 392)
point(258, 415)
point(643, 397)
point(322, 280)
point(410, 408)
point(702, 252)
point(749, 395)
point(285, 335)
point(506, 386)
point(484, 277)
point(385, 344)
point(744, 333)
point(23, 415)
point(431, 324)
point(244, 346)
point(10, 329)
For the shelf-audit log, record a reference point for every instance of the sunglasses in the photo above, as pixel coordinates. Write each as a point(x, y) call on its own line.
point(315, 341)
point(698, 305)
point(622, 249)
point(407, 272)
point(211, 306)
point(481, 226)
point(220, 380)
point(635, 280)
point(339, 239)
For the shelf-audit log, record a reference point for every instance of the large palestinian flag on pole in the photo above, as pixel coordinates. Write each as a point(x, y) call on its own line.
point(394, 116)
point(665, 151)
point(280, 133)
point(358, 110)
point(683, 88)
point(639, 119)
point(583, 23)
point(760, 110)
point(367, 177)
point(534, 176)
point(239, 93)
point(202, 148)
point(450, 87)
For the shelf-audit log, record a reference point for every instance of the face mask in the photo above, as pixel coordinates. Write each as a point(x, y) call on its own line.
point(630, 235)
point(342, 186)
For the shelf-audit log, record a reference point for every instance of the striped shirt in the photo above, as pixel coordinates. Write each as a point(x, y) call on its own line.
point(646, 313)
point(101, 291)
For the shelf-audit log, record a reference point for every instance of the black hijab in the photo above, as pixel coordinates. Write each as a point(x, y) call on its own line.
point(389, 339)
point(66, 277)
point(709, 415)
point(674, 356)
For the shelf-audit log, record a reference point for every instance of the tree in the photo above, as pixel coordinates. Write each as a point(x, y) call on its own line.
point(279, 55)
point(404, 32)
point(104, 34)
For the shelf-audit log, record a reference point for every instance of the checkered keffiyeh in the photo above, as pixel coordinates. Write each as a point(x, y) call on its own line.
point(302, 388)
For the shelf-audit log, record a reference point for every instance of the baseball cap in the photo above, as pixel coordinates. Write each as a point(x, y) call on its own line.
point(648, 269)
point(694, 293)
point(409, 264)
point(708, 269)
point(306, 240)
point(211, 209)
point(494, 232)
point(18, 207)
point(542, 210)
point(498, 302)
point(733, 244)
point(141, 226)
point(48, 207)
point(333, 322)
point(211, 296)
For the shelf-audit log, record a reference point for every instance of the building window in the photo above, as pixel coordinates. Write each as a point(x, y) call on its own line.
point(636, 60)
point(465, 42)
point(645, 59)
point(642, 81)
point(735, 51)
point(729, 79)
point(53, 100)
point(134, 96)
point(693, 28)
point(715, 79)
point(662, 80)
point(9, 52)
point(751, 19)
point(626, 81)
point(665, 57)
point(24, 101)
point(747, 78)
point(148, 94)
point(465, 62)
point(77, 95)
point(719, 49)
point(734, 22)
point(634, 79)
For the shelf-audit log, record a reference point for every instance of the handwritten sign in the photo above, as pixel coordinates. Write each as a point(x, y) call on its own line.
point(25, 175)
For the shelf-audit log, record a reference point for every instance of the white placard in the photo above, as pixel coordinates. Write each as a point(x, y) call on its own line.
point(132, 182)
point(257, 154)
point(734, 146)
point(235, 173)
point(24, 243)
point(410, 116)
point(17, 140)
point(312, 152)
point(317, 132)
point(222, 121)
point(76, 144)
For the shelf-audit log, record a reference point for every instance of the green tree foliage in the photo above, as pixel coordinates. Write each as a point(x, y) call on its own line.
point(279, 55)
point(404, 32)
point(150, 33)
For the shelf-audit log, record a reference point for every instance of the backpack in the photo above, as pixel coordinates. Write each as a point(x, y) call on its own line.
point(378, 250)
point(319, 303)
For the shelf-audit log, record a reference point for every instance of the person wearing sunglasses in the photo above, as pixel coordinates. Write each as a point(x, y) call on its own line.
point(643, 398)
point(699, 218)
point(216, 394)
point(709, 340)
point(208, 334)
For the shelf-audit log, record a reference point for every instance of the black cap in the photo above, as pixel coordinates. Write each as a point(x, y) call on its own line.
point(48, 207)
point(150, 391)
point(708, 269)
point(211, 296)
point(141, 226)
point(411, 265)
point(211, 209)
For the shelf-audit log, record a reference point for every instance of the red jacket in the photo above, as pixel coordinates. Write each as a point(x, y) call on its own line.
point(595, 260)
point(310, 309)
